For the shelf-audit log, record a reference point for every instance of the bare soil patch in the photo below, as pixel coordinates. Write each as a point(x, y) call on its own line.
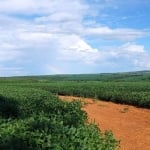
point(129, 124)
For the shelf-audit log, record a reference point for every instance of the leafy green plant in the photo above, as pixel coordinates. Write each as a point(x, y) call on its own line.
point(35, 119)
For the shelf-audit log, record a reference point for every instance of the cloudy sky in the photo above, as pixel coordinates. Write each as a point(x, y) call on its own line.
point(73, 36)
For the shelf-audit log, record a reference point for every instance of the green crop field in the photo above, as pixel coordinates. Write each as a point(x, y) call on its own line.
point(32, 116)
point(35, 119)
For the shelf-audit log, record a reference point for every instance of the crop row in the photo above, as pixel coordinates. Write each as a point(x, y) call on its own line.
point(132, 93)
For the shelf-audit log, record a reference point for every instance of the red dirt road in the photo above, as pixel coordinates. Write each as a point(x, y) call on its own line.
point(129, 124)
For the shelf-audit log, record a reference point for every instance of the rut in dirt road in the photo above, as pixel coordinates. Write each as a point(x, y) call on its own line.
point(129, 124)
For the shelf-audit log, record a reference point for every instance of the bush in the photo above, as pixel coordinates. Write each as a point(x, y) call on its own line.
point(35, 119)
point(42, 133)
point(8, 107)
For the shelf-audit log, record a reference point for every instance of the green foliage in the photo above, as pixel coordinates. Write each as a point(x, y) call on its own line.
point(125, 76)
point(131, 88)
point(35, 119)
point(41, 132)
point(8, 107)
point(32, 118)
point(132, 93)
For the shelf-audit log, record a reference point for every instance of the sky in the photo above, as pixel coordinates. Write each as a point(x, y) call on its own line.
point(42, 37)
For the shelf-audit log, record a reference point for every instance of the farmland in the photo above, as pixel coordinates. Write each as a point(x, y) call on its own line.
point(126, 88)
point(32, 115)
point(35, 119)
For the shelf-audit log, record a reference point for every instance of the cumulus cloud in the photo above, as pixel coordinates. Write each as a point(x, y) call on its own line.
point(125, 57)
point(129, 47)
point(74, 48)
point(40, 7)
point(44, 36)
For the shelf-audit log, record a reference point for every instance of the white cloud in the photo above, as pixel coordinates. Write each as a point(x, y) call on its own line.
point(51, 35)
point(129, 56)
point(8, 52)
point(143, 62)
point(129, 47)
point(74, 48)
point(23, 6)
point(120, 34)
point(30, 7)
point(35, 36)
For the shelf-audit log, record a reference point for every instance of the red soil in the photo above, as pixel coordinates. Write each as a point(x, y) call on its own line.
point(129, 124)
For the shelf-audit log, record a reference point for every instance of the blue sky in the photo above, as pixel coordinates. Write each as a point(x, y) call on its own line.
point(80, 36)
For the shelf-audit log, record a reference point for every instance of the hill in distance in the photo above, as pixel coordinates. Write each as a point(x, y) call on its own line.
point(121, 76)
